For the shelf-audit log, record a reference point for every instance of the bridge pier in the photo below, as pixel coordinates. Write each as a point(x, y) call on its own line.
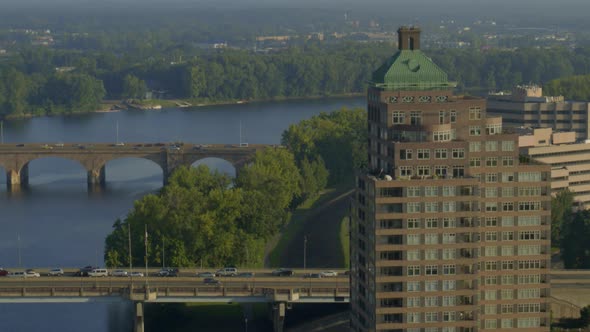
point(139, 323)
point(278, 316)
point(17, 179)
point(96, 177)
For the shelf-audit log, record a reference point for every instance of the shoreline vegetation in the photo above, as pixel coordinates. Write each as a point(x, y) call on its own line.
point(112, 106)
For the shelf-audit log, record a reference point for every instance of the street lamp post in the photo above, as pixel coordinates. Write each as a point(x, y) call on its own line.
point(130, 256)
point(304, 253)
point(146, 259)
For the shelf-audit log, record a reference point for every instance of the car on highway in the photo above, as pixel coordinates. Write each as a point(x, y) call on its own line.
point(119, 273)
point(17, 274)
point(327, 274)
point(59, 145)
point(3, 272)
point(313, 275)
point(56, 272)
point(83, 272)
point(206, 275)
point(136, 274)
point(282, 272)
point(168, 273)
point(211, 281)
point(227, 272)
point(47, 147)
point(30, 273)
point(20, 145)
point(98, 273)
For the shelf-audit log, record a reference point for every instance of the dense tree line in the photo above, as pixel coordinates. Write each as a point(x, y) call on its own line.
point(29, 80)
point(572, 88)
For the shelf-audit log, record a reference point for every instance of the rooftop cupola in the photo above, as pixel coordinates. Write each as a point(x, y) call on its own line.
point(408, 38)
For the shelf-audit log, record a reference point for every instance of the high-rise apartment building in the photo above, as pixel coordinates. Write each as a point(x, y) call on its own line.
point(449, 229)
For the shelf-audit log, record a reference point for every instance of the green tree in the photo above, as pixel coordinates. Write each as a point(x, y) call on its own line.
point(561, 210)
point(575, 247)
point(133, 87)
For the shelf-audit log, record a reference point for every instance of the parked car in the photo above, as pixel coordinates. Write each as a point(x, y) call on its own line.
point(282, 272)
point(98, 273)
point(136, 274)
point(227, 272)
point(57, 272)
point(329, 274)
point(211, 281)
point(168, 273)
point(119, 273)
point(206, 275)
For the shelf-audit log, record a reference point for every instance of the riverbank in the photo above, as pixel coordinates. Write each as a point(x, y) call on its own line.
point(109, 106)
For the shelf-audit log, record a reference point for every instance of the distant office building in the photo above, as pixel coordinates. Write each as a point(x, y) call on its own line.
point(449, 228)
point(527, 107)
point(570, 161)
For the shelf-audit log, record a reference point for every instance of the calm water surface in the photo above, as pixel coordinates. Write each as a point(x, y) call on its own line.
point(57, 223)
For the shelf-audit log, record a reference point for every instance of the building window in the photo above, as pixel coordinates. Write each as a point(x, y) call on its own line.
point(529, 206)
point(474, 130)
point(491, 192)
point(491, 324)
point(507, 161)
point(529, 191)
point(508, 236)
point(453, 115)
point(440, 154)
point(507, 177)
point(507, 280)
point(491, 251)
point(507, 251)
point(414, 270)
point(449, 206)
point(492, 161)
point(413, 192)
point(507, 323)
point(491, 177)
point(529, 235)
point(431, 270)
point(491, 236)
point(440, 170)
point(450, 253)
point(431, 286)
point(413, 286)
point(413, 317)
point(449, 222)
point(441, 136)
point(529, 177)
point(413, 302)
point(491, 280)
point(430, 254)
point(529, 220)
point(441, 117)
point(405, 154)
point(449, 238)
point(413, 207)
point(407, 99)
point(423, 154)
point(423, 171)
point(398, 117)
point(430, 238)
point(430, 191)
point(405, 171)
point(413, 223)
point(491, 221)
point(474, 113)
point(413, 255)
point(491, 146)
point(449, 285)
point(507, 145)
point(449, 316)
point(458, 153)
point(448, 191)
point(475, 162)
point(493, 129)
point(507, 265)
point(507, 192)
point(507, 308)
point(475, 146)
point(508, 206)
point(449, 269)
point(431, 222)
point(413, 239)
point(490, 309)
point(415, 118)
point(491, 206)
point(507, 221)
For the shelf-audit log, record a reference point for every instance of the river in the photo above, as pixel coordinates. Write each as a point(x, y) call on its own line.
point(56, 223)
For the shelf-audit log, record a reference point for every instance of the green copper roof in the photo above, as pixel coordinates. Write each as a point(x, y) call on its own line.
point(410, 70)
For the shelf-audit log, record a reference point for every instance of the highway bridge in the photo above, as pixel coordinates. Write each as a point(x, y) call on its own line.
point(570, 290)
point(260, 287)
point(93, 157)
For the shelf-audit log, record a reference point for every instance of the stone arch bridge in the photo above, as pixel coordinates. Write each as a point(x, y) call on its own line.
point(15, 158)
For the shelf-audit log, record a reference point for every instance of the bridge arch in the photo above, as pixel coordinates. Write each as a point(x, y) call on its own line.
point(132, 169)
point(220, 164)
point(48, 169)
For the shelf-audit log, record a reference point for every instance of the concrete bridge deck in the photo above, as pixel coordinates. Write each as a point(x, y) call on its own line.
point(93, 157)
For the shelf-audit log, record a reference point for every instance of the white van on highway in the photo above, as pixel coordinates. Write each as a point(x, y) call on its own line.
point(98, 273)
